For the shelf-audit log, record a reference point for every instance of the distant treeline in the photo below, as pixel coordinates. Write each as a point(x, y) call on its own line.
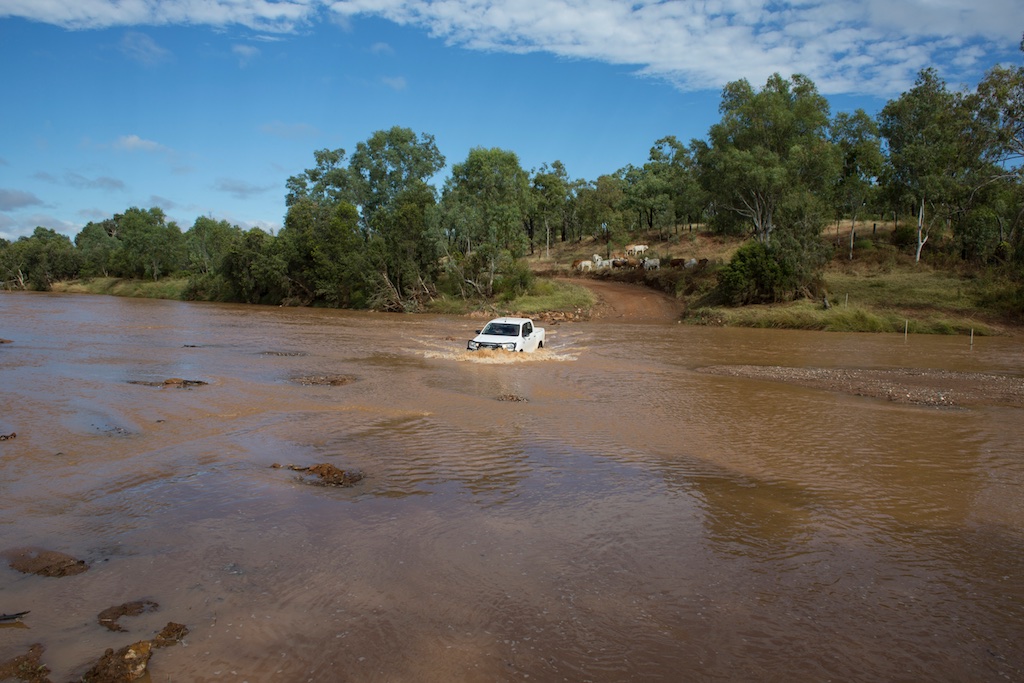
point(370, 231)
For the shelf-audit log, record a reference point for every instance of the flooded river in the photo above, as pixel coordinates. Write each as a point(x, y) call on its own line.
point(598, 511)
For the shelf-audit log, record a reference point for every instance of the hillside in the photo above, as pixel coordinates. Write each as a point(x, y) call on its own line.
point(879, 289)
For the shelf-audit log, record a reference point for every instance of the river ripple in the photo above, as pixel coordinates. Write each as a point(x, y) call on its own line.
point(598, 511)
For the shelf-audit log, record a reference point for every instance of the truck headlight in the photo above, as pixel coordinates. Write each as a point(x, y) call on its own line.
point(472, 345)
point(509, 347)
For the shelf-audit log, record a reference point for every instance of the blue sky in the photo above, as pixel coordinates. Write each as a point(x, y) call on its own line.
point(206, 107)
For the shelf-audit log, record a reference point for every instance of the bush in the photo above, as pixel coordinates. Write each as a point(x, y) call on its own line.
point(515, 281)
point(752, 276)
point(904, 236)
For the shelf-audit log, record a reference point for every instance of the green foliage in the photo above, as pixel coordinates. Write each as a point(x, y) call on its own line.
point(485, 203)
point(323, 256)
point(149, 246)
point(207, 242)
point(97, 245)
point(515, 281)
point(388, 165)
point(767, 155)
point(254, 270)
point(599, 209)
point(327, 183)
point(405, 249)
point(38, 261)
point(547, 295)
point(753, 276)
point(370, 230)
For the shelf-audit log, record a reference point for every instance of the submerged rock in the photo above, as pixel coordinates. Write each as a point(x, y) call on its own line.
point(28, 667)
point(129, 663)
point(108, 617)
point(176, 382)
point(44, 562)
point(324, 380)
point(326, 473)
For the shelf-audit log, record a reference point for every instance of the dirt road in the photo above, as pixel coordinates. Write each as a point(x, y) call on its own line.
point(622, 302)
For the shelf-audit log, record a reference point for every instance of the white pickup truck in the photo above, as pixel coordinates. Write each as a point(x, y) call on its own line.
point(511, 334)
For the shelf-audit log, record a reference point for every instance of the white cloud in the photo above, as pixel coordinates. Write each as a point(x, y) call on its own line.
point(875, 46)
point(396, 83)
point(857, 46)
point(264, 15)
point(245, 53)
point(143, 49)
point(133, 143)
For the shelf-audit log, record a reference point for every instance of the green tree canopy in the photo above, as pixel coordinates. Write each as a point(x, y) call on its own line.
point(388, 164)
point(485, 205)
point(770, 146)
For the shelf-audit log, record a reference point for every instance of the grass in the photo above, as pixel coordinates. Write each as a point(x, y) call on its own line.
point(551, 295)
point(545, 295)
point(807, 315)
point(167, 288)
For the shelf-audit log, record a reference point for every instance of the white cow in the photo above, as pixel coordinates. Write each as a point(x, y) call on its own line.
point(651, 263)
point(636, 249)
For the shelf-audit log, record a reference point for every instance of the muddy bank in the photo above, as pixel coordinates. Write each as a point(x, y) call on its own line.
point(942, 388)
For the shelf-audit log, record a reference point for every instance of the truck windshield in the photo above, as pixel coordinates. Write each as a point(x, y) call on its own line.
point(502, 329)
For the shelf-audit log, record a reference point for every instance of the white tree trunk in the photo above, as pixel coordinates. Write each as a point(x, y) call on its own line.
point(922, 236)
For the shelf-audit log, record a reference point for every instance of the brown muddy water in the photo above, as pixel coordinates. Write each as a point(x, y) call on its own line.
point(597, 511)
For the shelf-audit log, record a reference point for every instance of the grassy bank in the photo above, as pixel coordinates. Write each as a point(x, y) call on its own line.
point(167, 288)
point(545, 295)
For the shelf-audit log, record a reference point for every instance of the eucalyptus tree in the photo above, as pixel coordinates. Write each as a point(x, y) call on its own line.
point(770, 151)
point(675, 162)
point(485, 203)
point(385, 184)
point(97, 244)
point(405, 248)
point(151, 246)
point(936, 152)
point(207, 242)
point(857, 139)
point(388, 164)
point(648, 196)
point(1001, 113)
point(254, 269)
point(39, 260)
point(322, 250)
point(553, 203)
point(1000, 98)
point(328, 182)
point(601, 208)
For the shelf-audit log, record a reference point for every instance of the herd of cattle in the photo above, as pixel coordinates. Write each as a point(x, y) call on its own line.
point(633, 259)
